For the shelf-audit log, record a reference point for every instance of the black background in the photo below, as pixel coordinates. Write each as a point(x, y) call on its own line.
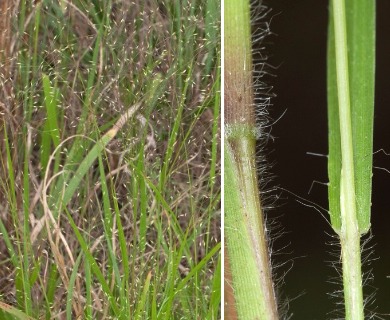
point(298, 48)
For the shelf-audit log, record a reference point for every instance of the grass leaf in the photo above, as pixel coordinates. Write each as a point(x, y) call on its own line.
point(52, 111)
point(8, 309)
point(94, 153)
point(361, 66)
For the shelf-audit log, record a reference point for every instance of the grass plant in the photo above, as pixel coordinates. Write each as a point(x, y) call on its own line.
point(109, 181)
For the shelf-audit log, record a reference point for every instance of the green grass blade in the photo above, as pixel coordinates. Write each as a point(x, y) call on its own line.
point(11, 197)
point(14, 312)
point(168, 160)
point(215, 298)
point(360, 21)
point(51, 129)
point(84, 167)
point(94, 266)
point(108, 226)
point(174, 257)
point(213, 12)
point(51, 289)
point(88, 287)
point(351, 106)
point(70, 288)
point(143, 201)
point(142, 302)
point(52, 111)
point(174, 221)
point(199, 266)
point(124, 256)
point(45, 146)
point(93, 154)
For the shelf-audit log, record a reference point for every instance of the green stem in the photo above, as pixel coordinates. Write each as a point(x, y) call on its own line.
point(349, 233)
point(245, 235)
point(246, 242)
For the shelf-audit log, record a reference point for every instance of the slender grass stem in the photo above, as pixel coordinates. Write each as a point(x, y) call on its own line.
point(351, 259)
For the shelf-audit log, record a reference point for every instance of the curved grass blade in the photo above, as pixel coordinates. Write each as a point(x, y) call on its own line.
point(8, 309)
point(94, 153)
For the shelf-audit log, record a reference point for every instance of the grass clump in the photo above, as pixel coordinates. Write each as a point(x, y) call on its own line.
point(109, 183)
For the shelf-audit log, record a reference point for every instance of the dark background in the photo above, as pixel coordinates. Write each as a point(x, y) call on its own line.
point(299, 51)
